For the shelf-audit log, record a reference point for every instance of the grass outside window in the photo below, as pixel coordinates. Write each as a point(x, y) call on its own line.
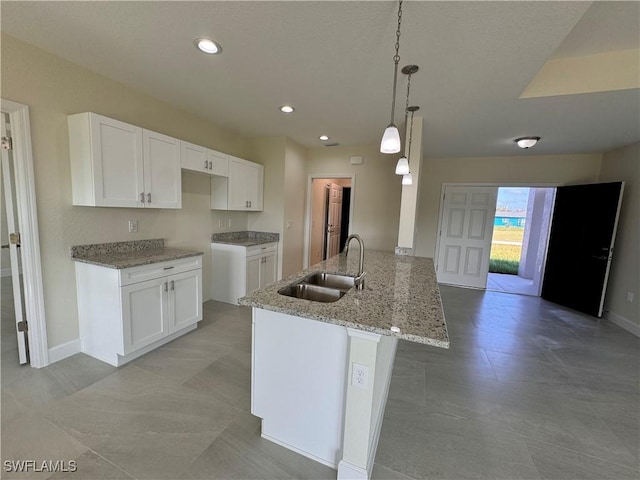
point(505, 257)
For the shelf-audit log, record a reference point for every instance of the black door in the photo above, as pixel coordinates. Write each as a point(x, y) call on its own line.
point(580, 249)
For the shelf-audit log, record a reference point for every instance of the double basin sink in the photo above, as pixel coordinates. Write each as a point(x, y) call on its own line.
point(320, 287)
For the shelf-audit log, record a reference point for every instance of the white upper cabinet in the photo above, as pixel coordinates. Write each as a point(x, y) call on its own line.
point(115, 164)
point(203, 160)
point(243, 190)
point(161, 169)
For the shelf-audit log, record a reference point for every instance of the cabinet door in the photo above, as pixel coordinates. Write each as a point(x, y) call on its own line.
point(254, 185)
point(116, 151)
point(163, 183)
point(253, 273)
point(237, 185)
point(268, 269)
point(144, 313)
point(218, 163)
point(185, 299)
point(194, 157)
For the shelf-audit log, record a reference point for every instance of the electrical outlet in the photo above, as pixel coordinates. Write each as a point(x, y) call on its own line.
point(133, 226)
point(630, 297)
point(289, 224)
point(359, 375)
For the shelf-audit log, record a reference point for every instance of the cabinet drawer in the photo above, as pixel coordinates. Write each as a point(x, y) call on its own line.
point(161, 269)
point(262, 248)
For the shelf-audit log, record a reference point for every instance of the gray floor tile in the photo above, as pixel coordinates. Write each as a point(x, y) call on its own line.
point(90, 465)
point(555, 463)
point(149, 426)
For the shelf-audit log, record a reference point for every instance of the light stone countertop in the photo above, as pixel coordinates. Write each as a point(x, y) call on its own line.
point(400, 292)
point(245, 238)
point(119, 255)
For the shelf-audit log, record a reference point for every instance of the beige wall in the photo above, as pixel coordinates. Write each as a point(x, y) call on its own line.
point(54, 88)
point(375, 193)
point(624, 165)
point(295, 186)
point(271, 153)
point(526, 170)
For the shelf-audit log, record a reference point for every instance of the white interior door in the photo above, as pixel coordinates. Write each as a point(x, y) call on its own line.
point(334, 222)
point(12, 242)
point(466, 228)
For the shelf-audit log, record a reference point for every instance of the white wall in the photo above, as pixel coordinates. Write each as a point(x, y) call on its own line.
point(54, 88)
point(624, 165)
point(523, 170)
point(375, 193)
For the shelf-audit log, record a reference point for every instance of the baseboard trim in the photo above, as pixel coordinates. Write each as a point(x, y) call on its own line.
point(60, 352)
point(299, 450)
point(622, 322)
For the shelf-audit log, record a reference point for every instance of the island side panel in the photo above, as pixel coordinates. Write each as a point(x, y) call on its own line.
point(298, 383)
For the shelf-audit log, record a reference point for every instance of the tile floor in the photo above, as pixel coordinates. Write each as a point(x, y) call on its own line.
point(527, 390)
point(501, 282)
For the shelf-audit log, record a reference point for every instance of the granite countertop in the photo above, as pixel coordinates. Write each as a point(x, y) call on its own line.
point(245, 238)
point(401, 292)
point(121, 255)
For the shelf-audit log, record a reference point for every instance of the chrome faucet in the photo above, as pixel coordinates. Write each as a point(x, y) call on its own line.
point(359, 280)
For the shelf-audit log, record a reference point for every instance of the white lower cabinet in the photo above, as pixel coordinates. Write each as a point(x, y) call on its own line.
point(126, 313)
point(238, 270)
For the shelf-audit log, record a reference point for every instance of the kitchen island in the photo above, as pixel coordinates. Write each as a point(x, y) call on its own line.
point(321, 371)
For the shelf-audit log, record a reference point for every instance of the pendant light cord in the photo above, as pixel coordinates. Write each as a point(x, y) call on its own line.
point(406, 112)
point(396, 60)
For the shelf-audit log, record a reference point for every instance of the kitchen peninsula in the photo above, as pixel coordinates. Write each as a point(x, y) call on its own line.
point(321, 371)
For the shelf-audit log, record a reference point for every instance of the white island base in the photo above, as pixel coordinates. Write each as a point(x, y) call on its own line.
point(321, 388)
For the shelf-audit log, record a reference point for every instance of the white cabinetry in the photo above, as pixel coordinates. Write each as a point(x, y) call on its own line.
point(238, 270)
point(114, 164)
point(242, 190)
point(203, 160)
point(126, 313)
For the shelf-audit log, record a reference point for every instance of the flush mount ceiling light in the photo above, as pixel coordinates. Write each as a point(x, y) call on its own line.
point(324, 138)
point(402, 167)
point(287, 109)
point(526, 142)
point(208, 46)
point(391, 138)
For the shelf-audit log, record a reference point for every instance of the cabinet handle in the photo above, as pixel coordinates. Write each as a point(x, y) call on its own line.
point(211, 165)
point(206, 164)
point(173, 285)
point(246, 204)
point(142, 197)
point(166, 286)
point(148, 198)
point(249, 203)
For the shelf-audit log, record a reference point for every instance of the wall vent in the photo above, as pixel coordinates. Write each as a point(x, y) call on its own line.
point(334, 144)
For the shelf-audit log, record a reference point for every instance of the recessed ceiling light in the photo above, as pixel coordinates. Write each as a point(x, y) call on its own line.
point(208, 46)
point(526, 142)
point(287, 109)
point(324, 138)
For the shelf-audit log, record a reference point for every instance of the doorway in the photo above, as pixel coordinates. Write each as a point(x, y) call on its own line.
point(329, 217)
point(26, 273)
point(519, 242)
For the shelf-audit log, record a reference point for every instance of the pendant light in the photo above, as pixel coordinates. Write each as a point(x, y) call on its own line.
point(402, 167)
point(408, 179)
point(391, 138)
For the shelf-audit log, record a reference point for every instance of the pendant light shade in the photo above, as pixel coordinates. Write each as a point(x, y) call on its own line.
point(402, 167)
point(390, 140)
point(407, 179)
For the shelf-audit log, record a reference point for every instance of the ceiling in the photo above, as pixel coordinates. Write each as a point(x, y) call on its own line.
point(333, 62)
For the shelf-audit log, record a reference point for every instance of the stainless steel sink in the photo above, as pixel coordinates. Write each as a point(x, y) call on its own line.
point(320, 287)
point(331, 280)
point(312, 292)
